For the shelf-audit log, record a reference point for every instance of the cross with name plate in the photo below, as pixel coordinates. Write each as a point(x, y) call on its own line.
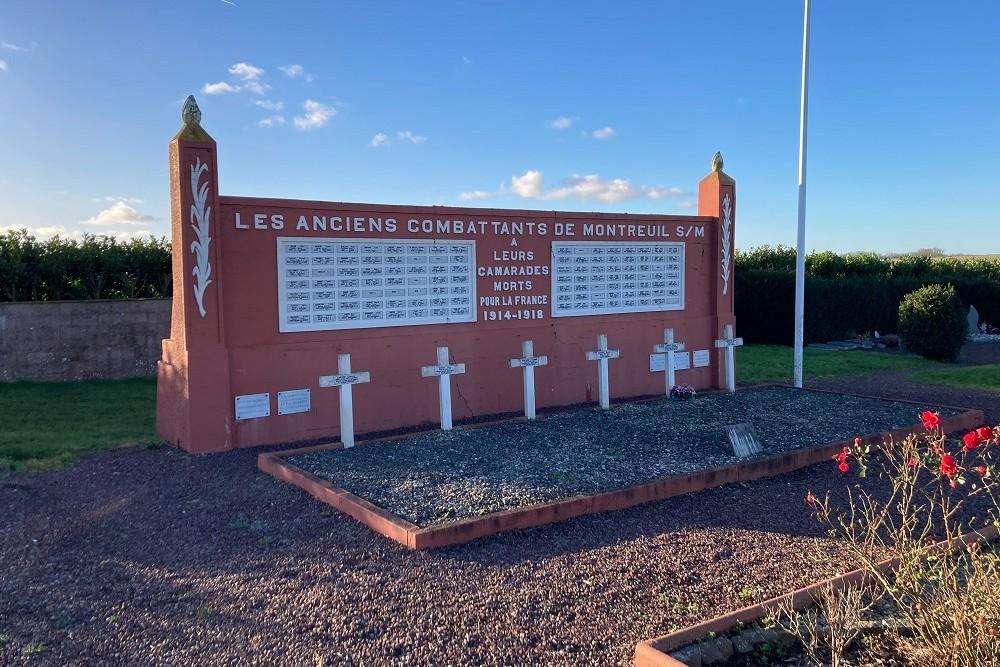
point(729, 343)
point(443, 370)
point(667, 348)
point(528, 361)
point(345, 379)
point(601, 356)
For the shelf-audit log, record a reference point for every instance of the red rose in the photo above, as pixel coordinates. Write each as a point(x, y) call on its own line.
point(972, 440)
point(912, 463)
point(857, 442)
point(981, 470)
point(948, 467)
point(930, 419)
point(985, 433)
point(843, 467)
point(810, 498)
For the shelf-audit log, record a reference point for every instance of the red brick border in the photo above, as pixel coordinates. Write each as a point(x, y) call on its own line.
point(466, 530)
point(656, 652)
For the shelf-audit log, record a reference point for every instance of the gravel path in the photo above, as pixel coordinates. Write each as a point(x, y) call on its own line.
point(138, 557)
point(439, 477)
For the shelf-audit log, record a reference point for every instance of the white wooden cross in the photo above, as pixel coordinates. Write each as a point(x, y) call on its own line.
point(443, 370)
point(727, 341)
point(667, 348)
point(345, 379)
point(601, 356)
point(528, 361)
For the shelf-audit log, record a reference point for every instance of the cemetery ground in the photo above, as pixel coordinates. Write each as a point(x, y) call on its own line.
point(151, 556)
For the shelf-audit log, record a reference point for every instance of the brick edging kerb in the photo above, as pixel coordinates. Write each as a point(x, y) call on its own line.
point(466, 530)
point(655, 652)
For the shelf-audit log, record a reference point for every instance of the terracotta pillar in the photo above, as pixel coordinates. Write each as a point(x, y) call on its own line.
point(194, 409)
point(717, 198)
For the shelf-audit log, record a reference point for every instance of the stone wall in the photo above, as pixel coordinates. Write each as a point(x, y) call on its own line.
point(75, 340)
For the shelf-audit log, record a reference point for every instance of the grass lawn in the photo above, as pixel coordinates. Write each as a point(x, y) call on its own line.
point(773, 363)
point(49, 425)
point(986, 378)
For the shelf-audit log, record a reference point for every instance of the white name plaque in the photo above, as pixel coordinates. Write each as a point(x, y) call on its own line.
point(326, 284)
point(252, 406)
point(294, 401)
point(658, 362)
point(601, 278)
point(701, 358)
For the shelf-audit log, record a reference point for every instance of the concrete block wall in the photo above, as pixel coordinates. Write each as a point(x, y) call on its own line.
point(75, 340)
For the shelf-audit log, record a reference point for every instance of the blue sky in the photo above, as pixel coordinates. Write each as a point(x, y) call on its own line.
point(580, 106)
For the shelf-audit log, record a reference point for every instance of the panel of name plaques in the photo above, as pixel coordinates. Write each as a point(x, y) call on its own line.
point(602, 278)
point(326, 284)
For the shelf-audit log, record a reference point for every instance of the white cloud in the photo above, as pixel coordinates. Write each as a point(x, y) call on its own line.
point(686, 205)
point(7, 46)
point(3, 65)
point(246, 71)
point(474, 195)
point(528, 184)
point(317, 115)
point(406, 135)
point(129, 200)
point(466, 60)
point(605, 132)
point(563, 122)
point(219, 87)
point(295, 71)
point(269, 105)
point(531, 185)
point(119, 213)
point(660, 192)
point(380, 139)
point(256, 87)
point(49, 231)
point(271, 121)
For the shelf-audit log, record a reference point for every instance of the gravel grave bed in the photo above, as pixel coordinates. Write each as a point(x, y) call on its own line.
point(444, 476)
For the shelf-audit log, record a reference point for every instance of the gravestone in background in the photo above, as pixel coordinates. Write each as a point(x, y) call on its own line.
point(269, 292)
point(973, 320)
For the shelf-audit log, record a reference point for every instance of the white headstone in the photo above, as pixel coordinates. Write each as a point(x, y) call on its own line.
point(668, 348)
point(973, 319)
point(729, 343)
point(443, 370)
point(601, 356)
point(345, 379)
point(528, 361)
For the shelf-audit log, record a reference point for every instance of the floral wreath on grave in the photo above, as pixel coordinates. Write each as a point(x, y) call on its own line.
point(682, 392)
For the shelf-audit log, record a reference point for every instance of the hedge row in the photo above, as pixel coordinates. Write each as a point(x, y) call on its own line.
point(96, 267)
point(867, 264)
point(845, 294)
point(839, 308)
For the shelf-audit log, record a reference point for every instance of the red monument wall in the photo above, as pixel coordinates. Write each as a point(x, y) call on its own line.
point(268, 292)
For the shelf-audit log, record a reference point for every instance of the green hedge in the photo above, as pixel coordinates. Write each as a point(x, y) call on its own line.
point(845, 294)
point(96, 267)
point(848, 294)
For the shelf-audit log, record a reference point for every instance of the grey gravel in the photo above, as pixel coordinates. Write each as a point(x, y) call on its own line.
point(439, 477)
point(148, 558)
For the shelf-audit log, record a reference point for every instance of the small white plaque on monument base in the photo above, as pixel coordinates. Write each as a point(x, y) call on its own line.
point(252, 406)
point(294, 401)
point(657, 362)
point(701, 358)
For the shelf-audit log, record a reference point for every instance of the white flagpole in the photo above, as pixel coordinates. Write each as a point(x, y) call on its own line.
point(800, 255)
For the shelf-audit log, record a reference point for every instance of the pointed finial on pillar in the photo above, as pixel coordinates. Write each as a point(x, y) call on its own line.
point(190, 113)
point(716, 159)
